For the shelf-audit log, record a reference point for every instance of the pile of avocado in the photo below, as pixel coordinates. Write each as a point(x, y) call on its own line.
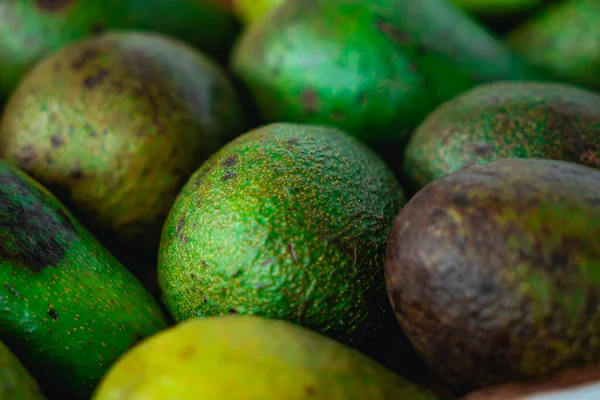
point(298, 199)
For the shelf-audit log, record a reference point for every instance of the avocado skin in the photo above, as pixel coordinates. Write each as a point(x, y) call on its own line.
point(31, 29)
point(564, 40)
point(114, 125)
point(287, 221)
point(68, 309)
point(15, 381)
point(373, 69)
point(499, 8)
point(493, 271)
point(506, 120)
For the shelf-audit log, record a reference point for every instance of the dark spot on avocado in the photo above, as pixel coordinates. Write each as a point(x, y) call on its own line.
point(309, 390)
point(293, 140)
point(180, 225)
point(391, 31)
point(232, 311)
point(310, 100)
point(228, 175)
point(203, 263)
point(85, 57)
point(230, 161)
point(461, 200)
point(97, 29)
point(292, 252)
point(53, 314)
point(57, 141)
point(77, 173)
point(39, 231)
point(27, 156)
point(483, 149)
point(96, 79)
point(52, 5)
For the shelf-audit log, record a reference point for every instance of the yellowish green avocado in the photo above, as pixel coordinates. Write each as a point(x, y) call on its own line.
point(249, 358)
point(114, 125)
point(68, 308)
point(250, 11)
point(15, 381)
point(287, 221)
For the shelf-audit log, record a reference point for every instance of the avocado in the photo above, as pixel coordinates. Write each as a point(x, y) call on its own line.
point(287, 221)
point(374, 69)
point(494, 271)
point(250, 11)
point(68, 309)
point(497, 7)
point(266, 359)
point(115, 124)
point(505, 120)
point(31, 29)
point(563, 39)
point(15, 381)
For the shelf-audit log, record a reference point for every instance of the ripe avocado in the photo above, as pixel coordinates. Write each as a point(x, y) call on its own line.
point(68, 309)
point(31, 29)
point(266, 359)
point(504, 120)
point(563, 39)
point(494, 271)
point(114, 125)
point(287, 221)
point(374, 69)
point(15, 381)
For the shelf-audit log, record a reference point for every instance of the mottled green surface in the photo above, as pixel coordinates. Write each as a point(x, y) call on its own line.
point(68, 309)
point(502, 120)
point(494, 271)
point(114, 126)
point(374, 69)
point(564, 39)
point(287, 221)
point(31, 29)
point(15, 381)
point(496, 7)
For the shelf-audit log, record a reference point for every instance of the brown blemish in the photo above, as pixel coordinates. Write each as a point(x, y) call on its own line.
point(293, 140)
point(77, 173)
point(203, 264)
point(483, 149)
point(97, 29)
point(53, 314)
point(392, 32)
point(53, 5)
point(230, 161)
point(292, 252)
point(232, 311)
point(228, 175)
point(56, 141)
point(27, 156)
point(180, 225)
point(310, 100)
point(310, 391)
point(84, 58)
point(92, 81)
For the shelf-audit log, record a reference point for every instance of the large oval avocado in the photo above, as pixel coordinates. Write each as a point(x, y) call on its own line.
point(68, 309)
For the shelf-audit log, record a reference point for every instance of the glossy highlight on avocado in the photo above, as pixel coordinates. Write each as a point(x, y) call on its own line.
point(494, 271)
point(374, 69)
point(68, 309)
point(287, 221)
point(114, 125)
point(266, 359)
point(503, 120)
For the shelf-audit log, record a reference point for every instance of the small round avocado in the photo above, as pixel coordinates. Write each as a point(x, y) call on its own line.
point(504, 120)
point(374, 69)
point(32, 29)
point(114, 125)
point(564, 40)
point(287, 221)
point(494, 271)
point(239, 357)
point(15, 381)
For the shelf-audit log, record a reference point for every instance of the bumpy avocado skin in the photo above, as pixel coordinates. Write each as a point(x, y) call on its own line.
point(114, 126)
point(494, 271)
point(373, 69)
point(15, 381)
point(68, 309)
point(287, 221)
point(506, 120)
point(563, 39)
point(267, 359)
point(31, 29)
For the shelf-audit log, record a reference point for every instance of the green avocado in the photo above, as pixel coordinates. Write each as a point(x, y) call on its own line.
point(504, 120)
point(287, 221)
point(266, 359)
point(15, 381)
point(563, 39)
point(31, 29)
point(494, 271)
point(374, 69)
point(68, 309)
point(114, 125)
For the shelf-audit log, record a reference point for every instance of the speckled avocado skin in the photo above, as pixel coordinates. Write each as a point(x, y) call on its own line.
point(494, 271)
point(68, 309)
point(31, 29)
point(287, 221)
point(505, 120)
point(563, 39)
point(15, 381)
point(372, 68)
point(114, 126)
